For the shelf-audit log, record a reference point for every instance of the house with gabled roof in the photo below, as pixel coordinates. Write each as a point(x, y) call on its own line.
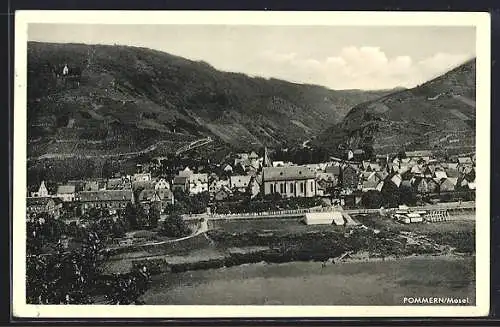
point(198, 183)
point(161, 198)
point(162, 184)
point(239, 183)
point(180, 183)
point(425, 185)
point(222, 194)
point(216, 185)
point(105, 199)
point(48, 205)
point(42, 191)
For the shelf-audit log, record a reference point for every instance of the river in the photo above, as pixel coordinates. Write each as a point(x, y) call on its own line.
point(308, 283)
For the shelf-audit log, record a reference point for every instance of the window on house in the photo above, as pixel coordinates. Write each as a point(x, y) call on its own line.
point(301, 187)
point(271, 188)
point(282, 188)
point(312, 186)
point(291, 188)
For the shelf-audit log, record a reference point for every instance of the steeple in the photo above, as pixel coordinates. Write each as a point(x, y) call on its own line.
point(42, 191)
point(267, 162)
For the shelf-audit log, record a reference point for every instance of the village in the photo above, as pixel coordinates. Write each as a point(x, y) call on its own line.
point(253, 184)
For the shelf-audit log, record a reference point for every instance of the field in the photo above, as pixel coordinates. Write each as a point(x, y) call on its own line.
point(277, 225)
point(386, 223)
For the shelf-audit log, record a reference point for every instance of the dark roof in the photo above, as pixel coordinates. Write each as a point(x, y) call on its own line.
point(180, 180)
point(117, 183)
point(287, 173)
point(142, 184)
point(106, 195)
point(333, 169)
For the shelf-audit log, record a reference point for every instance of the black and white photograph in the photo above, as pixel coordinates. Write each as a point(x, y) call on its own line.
point(250, 164)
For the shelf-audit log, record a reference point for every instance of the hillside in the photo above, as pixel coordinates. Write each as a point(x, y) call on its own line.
point(439, 114)
point(127, 99)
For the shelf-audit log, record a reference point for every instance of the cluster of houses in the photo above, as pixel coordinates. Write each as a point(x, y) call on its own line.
point(112, 194)
point(250, 175)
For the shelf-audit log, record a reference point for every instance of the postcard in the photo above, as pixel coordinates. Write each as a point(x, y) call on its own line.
point(260, 164)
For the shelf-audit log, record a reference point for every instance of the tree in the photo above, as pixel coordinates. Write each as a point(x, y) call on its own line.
point(154, 215)
point(75, 277)
point(64, 277)
point(372, 199)
point(407, 196)
point(390, 194)
point(130, 216)
point(174, 226)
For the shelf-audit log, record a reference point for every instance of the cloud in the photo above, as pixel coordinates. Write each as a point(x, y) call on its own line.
point(442, 61)
point(365, 67)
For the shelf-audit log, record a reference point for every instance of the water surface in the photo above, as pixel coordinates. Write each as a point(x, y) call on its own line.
point(308, 283)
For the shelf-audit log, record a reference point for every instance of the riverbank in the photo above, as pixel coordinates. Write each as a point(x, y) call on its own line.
point(222, 248)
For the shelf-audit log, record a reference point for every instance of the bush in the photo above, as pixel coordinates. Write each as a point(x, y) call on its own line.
point(174, 226)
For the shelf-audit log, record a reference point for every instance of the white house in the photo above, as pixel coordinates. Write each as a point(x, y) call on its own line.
point(42, 191)
point(198, 183)
point(66, 193)
point(240, 183)
point(143, 177)
point(162, 184)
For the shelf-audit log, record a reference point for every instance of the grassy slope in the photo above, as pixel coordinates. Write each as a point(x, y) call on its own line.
point(417, 118)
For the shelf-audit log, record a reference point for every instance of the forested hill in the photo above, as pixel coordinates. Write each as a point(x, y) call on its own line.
point(437, 115)
point(117, 99)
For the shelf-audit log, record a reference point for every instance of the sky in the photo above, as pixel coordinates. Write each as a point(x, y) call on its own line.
point(338, 57)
